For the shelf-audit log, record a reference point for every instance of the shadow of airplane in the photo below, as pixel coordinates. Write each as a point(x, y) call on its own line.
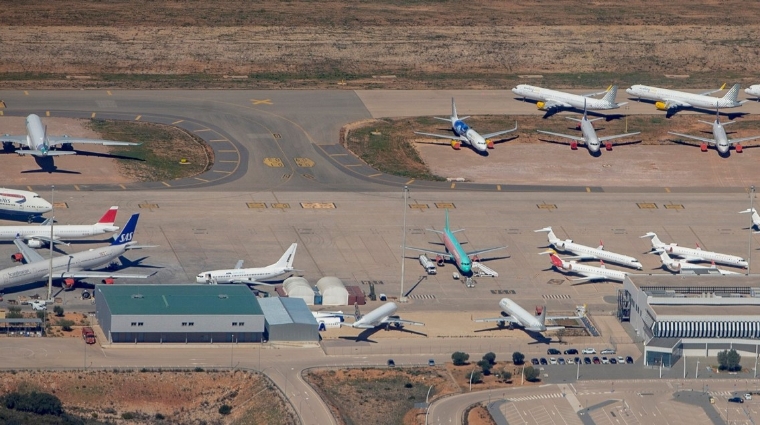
point(366, 333)
point(47, 163)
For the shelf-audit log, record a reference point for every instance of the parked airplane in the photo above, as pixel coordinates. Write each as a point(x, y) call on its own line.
point(72, 267)
point(252, 275)
point(695, 254)
point(36, 141)
point(755, 218)
point(552, 100)
point(753, 90)
point(589, 138)
point(676, 265)
point(584, 252)
point(673, 100)
point(382, 316)
point(590, 273)
point(454, 250)
point(23, 203)
point(464, 134)
point(518, 316)
point(720, 140)
point(38, 236)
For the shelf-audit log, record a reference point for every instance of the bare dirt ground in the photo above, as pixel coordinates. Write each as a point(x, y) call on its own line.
point(301, 43)
point(181, 397)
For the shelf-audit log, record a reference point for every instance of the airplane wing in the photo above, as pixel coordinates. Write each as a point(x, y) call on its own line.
point(47, 239)
point(743, 139)
point(398, 321)
point(576, 138)
point(59, 140)
point(100, 275)
point(442, 136)
point(30, 255)
point(553, 104)
point(445, 255)
point(40, 153)
point(701, 139)
point(713, 91)
point(618, 136)
point(499, 133)
point(483, 251)
point(239, 264)
point(670, 104)
point(504, 319)
point(595, 94)
point(13, 139)
point(589, 278)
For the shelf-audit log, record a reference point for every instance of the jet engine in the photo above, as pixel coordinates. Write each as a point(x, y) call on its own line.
point(456, 144)
point(489, 143)
point(67, 147)
point(35, 243)
point(608, 146)
point(661, 106)
point(107, 281)
point(703, 147)
point(574, 145)
point(738, 148)
point(17, 257)
point(68, 284)
point(540, 105)
point(439, 260)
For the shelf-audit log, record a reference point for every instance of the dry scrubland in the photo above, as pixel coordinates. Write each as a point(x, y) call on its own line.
point(426, 43)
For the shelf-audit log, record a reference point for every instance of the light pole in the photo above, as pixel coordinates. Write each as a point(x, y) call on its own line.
point(232, 348)
point(696, 372)
point(402, 298)
point(427, 405)
point(472, 373)
point(50, 269)
point(751, 223)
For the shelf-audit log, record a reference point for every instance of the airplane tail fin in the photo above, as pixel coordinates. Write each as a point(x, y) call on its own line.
point(453, 110)
point(109, 217)
point(732, 94)
point(611, 95)
point(542, 315)
point(287, 258)
point(585, 111)
point(128, 232)
point(552, 237)
point(656, 242)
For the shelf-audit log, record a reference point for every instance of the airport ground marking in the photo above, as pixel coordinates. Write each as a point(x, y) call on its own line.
point(410, 181)
point(200, 179)
point(219, 140)
point(60, 205)
point(646, 205)
point(26, 93)
point(108, 92)
point(667, 190)
point(226, 160)
point(304, 162)
point(1, 113)
point(166, 184)
point(47, 113)
point(588, 189)
point(228, 150)
point(418, 206)
point(30, 188)
point(498, 187)
point(445, 205)
point(280, 205)
point(354, 165)
point(76, 187)
point(453, 185)
point(261, 101)
point(137, 118)
point(256, 205)
point(273, 162)
point(147, 206)
point(673, 206)
point(177, 122)
point(318, 205)
point(93, 115)
point(122, 186)
point(339, 154)
point(375, 175)
point(201, 130)
point(221, 171)
point(546, 206)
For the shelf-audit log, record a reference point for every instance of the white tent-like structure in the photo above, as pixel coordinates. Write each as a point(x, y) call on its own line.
point(298, 287)
point(333, 291)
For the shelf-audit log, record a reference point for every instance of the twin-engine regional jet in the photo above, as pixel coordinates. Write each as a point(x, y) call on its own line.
point(464, 134)
point(590, 273)
point(695, 254)
point(720, 139)
point(583, 252)
point(589, 138)
point(755, 219)
point(251, 276)
point(454, 250)
point(518, 316)
point(677, 265)
point(38, 236)
point(382, 316)
point(673, 100)
point(552, 100)
point(72, 267)
point(753, 90)
point(36, 141)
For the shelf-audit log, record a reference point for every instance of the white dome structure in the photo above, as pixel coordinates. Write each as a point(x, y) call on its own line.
point(333, 291)
point(298, 287)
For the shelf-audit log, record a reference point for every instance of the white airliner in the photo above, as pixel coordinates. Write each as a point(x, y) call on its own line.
point(550, 100)
point(518, 316)
point(36, 141)
point(72, 267)
point(589, 138)
point(753, 90)
point(379, 317)
point(755, 218)
point(672, 100)
point(720, 140)
point(252, 275)
point(676, 265)
point(584, 252)
point(464, 134)
point(38, 236)
point(23, 203)
point(590, 273)
point(695, 254)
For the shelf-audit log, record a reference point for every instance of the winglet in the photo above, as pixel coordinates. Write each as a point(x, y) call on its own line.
point(723, 86)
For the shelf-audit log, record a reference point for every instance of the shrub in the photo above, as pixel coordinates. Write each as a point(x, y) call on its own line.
point(459, 358)
point(58, 310)
point(506, 375)
point(531, 374)
point(66, 325)
point(490, 358)
point(518, 358)
point(127, 415)
point(225, 409)
point(729, 360)
point(160, 417)
point(485, 366)
point(475, 376)
point(39, 403)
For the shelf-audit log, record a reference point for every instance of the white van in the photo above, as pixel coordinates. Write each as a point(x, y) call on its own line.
point(428, 265)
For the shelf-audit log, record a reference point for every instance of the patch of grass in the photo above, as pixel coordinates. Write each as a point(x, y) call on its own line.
point(158, 158)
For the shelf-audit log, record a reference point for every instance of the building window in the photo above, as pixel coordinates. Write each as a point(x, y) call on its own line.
point(241, 323)
point(191, 324)
point(139, 323)
point(184, 323)
point(134, 323)
point(234, 323)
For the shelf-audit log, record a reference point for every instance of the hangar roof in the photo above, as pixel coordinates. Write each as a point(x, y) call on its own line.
point(179, 299)
point(281, 311)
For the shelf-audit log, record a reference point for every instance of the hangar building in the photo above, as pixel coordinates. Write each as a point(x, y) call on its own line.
point(289, 319)
point(692, 315)
point(179, 313)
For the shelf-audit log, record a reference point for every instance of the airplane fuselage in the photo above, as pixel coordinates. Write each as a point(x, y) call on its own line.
point(721, 138)
point(574, 100)
point(526, 320)
point(473, 138)
point(85, 260)
point(691, 254)
point(35, 134)
point(590, 253)
point(376, 317)
point(21, 202)
point(593, 272)
point(684, 99)
point(8, 233)
point(453, 247)
point(589, 136)
point(253, 275)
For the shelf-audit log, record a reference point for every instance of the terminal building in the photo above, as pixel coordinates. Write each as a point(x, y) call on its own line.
point(692, 315)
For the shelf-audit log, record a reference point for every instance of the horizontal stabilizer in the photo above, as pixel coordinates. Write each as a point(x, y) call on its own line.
point(48, 153)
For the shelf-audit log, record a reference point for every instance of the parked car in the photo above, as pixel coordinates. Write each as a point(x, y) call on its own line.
point(391, 363)
point(605, 360)
point(596, 360)
point(561, 360)
point(621, 360)
point(748, 396)
point(544, 362)
point(608, 351)
point(534, 361)
point(570, 361)
point(613, 360)
point(553, 352)
point(586, 360)
point(571, 351)
point(589, 351)
point(736, 400)
point(629, 360)
point(552, 360)
point(577, 360)
point(431, 362)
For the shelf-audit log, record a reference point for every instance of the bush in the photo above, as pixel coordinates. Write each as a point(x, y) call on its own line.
point(39, 403)
point(518, 358)
point(14, 312)
point(66, 325)
point(408, 385)
point(459, 358)
point(506, 375)
point(58, 310)
point(475, 377)
point(485, 366)
point(198, 369)
point(160, 417)
point(729, 360)
point(531, 374)
point(490, 358)
point(225, 409)
point(127, 415)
